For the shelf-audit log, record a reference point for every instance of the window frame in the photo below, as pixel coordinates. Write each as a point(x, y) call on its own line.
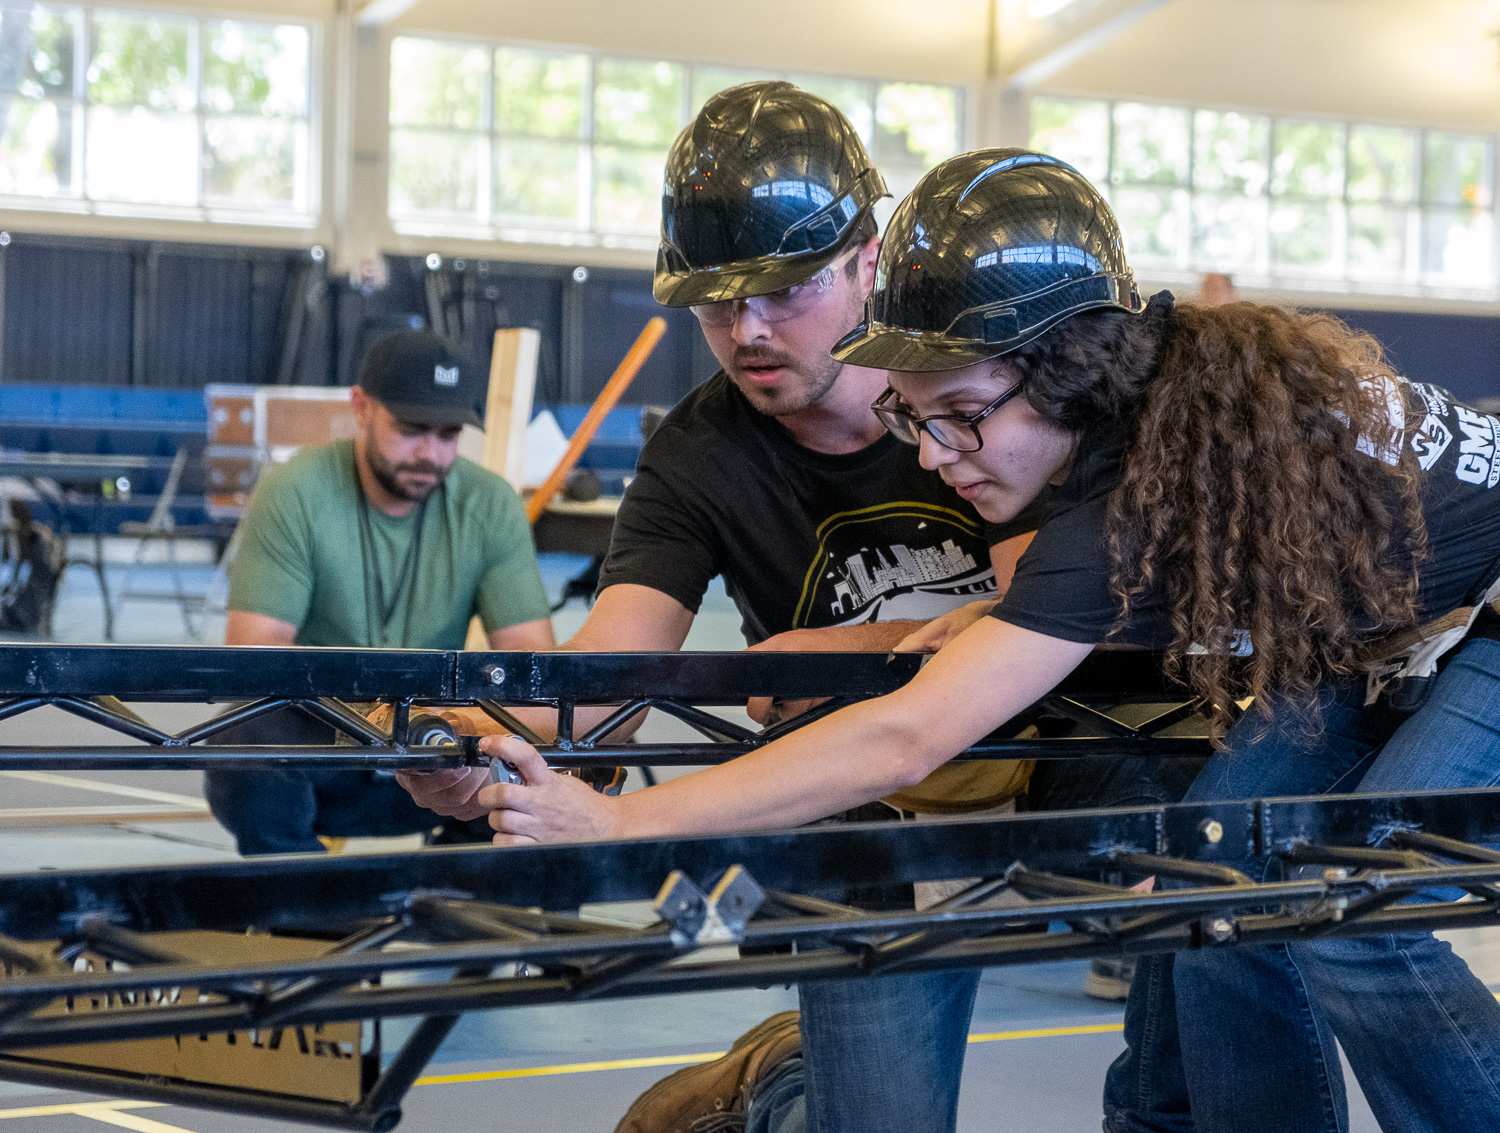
point(486, 223)
point(306, 214)
point(1412, 279)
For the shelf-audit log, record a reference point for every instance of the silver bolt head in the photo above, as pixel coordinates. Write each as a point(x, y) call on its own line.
point(1213, 830)
point(1220, 929)
point(497, 674)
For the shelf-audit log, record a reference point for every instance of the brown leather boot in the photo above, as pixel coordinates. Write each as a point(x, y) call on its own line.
point(680, 1101)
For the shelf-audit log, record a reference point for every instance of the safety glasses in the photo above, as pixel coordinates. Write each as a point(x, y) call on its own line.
point(778, 306)
point(956, 431)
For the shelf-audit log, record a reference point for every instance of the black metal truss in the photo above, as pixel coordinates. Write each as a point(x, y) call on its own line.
point(499, 927)
point(1082, 717)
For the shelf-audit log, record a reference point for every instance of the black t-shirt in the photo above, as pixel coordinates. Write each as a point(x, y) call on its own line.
point(1061, 587)
point(802, 538)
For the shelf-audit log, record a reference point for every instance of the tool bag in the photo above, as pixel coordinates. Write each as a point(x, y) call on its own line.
point(1400, 668)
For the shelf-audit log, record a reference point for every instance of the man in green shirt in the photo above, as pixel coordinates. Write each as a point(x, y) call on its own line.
point(390, 540)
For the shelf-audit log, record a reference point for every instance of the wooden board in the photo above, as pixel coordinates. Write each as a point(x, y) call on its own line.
point(507, 409)
point(288, 418)
point(507, 412)
point(231, 414)
point(231, 479)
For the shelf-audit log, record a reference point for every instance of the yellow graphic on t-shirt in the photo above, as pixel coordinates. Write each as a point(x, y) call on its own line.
point(891, 561)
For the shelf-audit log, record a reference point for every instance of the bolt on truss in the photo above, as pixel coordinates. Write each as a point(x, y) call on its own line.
point(122, 956)
point(1116, 703)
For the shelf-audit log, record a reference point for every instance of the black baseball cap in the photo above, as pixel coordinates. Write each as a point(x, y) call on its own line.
point(422, 380)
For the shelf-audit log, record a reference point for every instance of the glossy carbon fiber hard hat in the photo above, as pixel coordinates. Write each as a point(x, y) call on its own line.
point(991, 249)
point(761, 191)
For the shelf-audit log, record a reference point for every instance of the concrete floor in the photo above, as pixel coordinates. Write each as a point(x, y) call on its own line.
point(1039, 1047)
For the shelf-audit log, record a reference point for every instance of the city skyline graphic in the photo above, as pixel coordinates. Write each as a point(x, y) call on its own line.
point(867, 575)
point(901, 560)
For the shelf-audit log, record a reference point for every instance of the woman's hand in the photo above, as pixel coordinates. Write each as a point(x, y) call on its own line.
point(938, 632)
point(547, 806)
point(450, 791)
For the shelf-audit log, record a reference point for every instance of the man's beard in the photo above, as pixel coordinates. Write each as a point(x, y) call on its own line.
point(387, 475)
point(787, 398)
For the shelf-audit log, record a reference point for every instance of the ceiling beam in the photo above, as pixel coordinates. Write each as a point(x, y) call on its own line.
point(1071, 41)
point(378, 13)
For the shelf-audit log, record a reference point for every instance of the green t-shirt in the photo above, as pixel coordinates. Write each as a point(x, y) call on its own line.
point(301, 559)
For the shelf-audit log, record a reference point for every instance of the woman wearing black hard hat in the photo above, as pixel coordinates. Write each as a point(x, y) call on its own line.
point(1251, 490)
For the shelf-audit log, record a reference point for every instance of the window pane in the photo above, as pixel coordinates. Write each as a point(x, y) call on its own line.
point(1302, 236)
point(540, 94)
point(434, 172)
point(36, 149)
point(255, 68)
point(140, 61)
point(1456, 247)
point(1228, 231)
point(637, 103)
point(851, 96)
point(1229, 152)
point(1377, 241)
point(1151, 144)
point(536, 178)
point(437, 84)
point(627, 189)
point(709, 81)
point(1382, 163)
point(1150, 220)
point(1077, 132)
point(918, 124)
point(1457, 170)
point(119, 136)
point(43, 40)
point(1309, 160)
point(250, 161)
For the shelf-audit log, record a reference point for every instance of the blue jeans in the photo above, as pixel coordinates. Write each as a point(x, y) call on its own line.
point(886, 1054)
point(1420, 1031)
point(283, 810)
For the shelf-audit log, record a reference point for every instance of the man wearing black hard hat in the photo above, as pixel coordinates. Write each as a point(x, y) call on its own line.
point(388, 540)
point(829, 535)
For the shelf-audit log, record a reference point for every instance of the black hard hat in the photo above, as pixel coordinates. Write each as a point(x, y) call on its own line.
point(422, 380)
point(990, 249)
point(761, 191)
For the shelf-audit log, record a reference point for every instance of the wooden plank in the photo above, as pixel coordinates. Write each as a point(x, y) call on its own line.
point(507, 412)
point(507, 409)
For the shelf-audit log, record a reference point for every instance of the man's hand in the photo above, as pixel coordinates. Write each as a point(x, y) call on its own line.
point(463, 721)
point(451, 791)
point(547, 806)
point(933, 635)
point(766, 710)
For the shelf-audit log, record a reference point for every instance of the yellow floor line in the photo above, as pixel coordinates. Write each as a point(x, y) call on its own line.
point(72, 1108)
point(1048, 1033)
point(571, 1068)
point(709, 1056)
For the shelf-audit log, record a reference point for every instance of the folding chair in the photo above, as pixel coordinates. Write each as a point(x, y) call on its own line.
point(161, 528)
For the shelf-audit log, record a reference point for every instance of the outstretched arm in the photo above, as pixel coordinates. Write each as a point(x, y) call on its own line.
point(888, 637)
point(988, 674)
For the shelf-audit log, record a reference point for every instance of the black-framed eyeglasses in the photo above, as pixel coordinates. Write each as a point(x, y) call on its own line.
point(956, 431)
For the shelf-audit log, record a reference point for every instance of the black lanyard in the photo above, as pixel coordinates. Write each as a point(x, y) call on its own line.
point(379, 619)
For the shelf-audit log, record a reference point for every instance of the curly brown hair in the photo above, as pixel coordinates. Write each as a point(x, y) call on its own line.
point(1261, 493)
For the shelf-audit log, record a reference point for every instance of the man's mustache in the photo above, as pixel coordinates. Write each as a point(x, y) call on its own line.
point(759, 356)
point(420, 468)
